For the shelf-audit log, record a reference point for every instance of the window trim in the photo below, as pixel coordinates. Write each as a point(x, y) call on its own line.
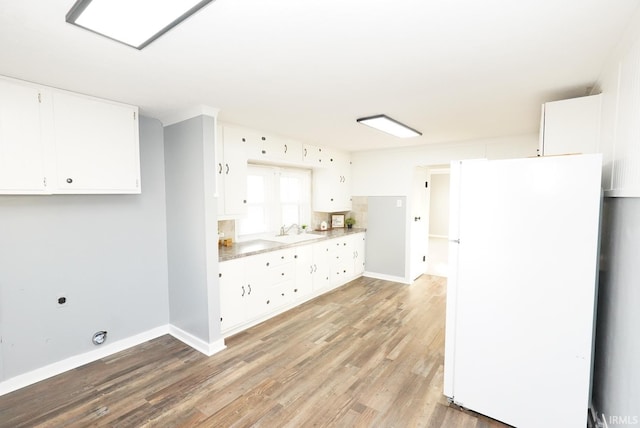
point(273, 204)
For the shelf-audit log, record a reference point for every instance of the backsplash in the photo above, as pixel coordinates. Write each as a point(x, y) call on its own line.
point(358, 212)
point(359, 209)
point(228, 227)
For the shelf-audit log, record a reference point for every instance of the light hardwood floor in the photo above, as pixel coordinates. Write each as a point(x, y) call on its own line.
point(368, 354)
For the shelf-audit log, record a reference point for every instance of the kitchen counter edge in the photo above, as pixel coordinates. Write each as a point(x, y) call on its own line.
point(258, 246)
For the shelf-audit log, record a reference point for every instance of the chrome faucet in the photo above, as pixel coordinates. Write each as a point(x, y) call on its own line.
point(284, 230)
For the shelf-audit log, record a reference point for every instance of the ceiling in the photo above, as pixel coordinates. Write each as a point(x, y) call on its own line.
point(453, 69)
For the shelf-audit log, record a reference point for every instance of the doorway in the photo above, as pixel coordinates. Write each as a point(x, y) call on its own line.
point(438, 226)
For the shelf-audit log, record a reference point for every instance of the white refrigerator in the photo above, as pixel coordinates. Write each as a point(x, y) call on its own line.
point(522, 286)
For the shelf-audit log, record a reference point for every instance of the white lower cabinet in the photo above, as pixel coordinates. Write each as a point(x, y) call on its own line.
point(322, 265)
point(358, 253)
point(342, 261)
point(303, 256)
point(254, 288)
point(240, 300)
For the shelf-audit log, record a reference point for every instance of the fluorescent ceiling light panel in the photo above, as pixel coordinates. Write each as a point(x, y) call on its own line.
point(133, 22)
point(384, 123)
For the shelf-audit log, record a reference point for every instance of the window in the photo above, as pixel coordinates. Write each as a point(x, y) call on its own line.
point(275, 197)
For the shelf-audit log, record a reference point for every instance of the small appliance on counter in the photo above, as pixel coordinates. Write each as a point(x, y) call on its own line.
point(323, 225)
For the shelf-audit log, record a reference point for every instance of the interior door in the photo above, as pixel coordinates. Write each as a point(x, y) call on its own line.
point(525, 287)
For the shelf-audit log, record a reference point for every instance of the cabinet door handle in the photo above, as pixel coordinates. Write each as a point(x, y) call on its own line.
point(305, 152)
point(311, 269)
point(315, 268)
point(242, 291)
point(69, 180)
point(227, 165)
point(285, 148)
point(249, 285)
point(219, 168)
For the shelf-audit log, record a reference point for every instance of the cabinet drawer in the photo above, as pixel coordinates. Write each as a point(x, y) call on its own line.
point(280, 294)
point(273, 259)
point(281, 273)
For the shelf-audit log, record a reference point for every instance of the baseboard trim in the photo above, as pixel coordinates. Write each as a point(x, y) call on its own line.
point(107, 349)
point(438, 272)
point(76, 361)
point(196, 343)
point(385, 277)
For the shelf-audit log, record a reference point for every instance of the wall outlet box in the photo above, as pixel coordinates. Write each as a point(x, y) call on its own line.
point(62, 300)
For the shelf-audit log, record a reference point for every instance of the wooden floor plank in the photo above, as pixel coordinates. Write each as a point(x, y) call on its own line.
point(369, 354)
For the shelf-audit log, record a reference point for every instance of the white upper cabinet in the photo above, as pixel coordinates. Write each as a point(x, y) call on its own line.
point(331, 168)
point(231, 164)
point(332, 185)
point(570, 126)
point(96, 145)
point(21, 146)
point(267, 147)
point(54, 141)
point(314, 156)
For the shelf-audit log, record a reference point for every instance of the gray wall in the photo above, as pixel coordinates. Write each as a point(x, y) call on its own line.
point(386, 235)
point(192, 227)
point(616, 388)
point(106, 253)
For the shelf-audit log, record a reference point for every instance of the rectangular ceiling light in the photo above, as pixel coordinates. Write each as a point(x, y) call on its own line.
point(384, 123)
point(133, 22)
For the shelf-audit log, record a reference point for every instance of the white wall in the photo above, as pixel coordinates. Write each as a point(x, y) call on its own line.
point(106, 253)
point(616, 386)
point(390, 172)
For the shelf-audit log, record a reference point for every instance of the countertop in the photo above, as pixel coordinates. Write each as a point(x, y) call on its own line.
point(257, 246)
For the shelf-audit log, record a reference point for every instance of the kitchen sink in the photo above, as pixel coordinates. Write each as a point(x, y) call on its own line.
point(292, 239)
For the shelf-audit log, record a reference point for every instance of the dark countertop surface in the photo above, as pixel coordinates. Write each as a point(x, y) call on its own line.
point(257, 246)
